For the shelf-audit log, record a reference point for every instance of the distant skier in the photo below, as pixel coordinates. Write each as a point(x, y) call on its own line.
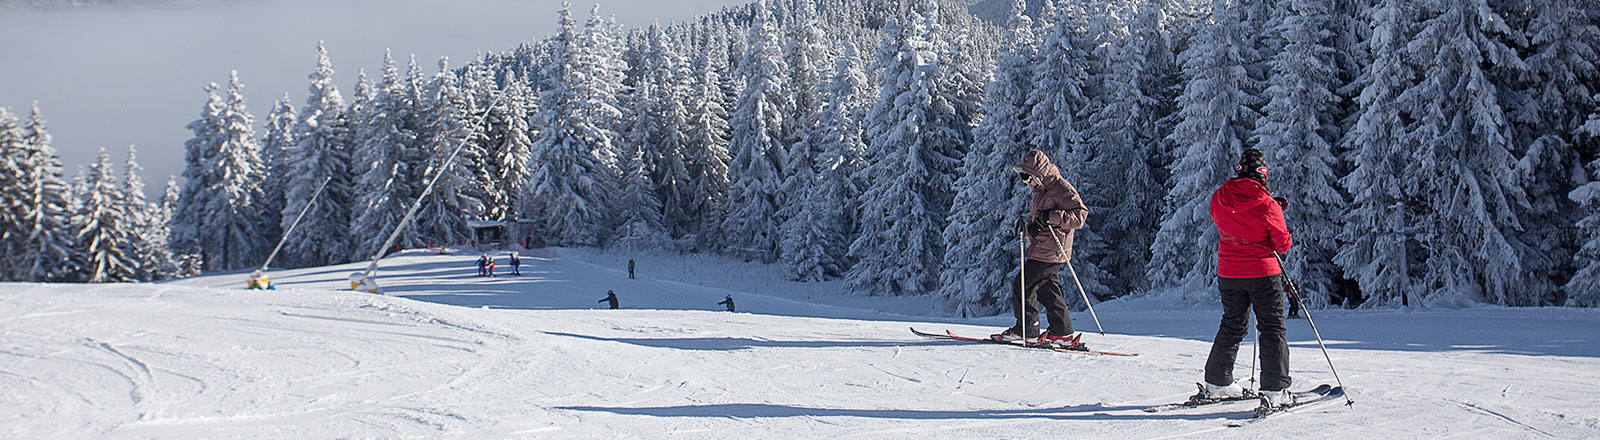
point(727, 301)
point(516, 265)
point(611, 297)
point(630, 268)
point(483, 265)
point(1251, 228)
point(491, 267)
point(259, 281)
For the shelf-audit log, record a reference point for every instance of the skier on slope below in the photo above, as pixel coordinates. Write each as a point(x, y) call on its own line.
point(1251, 228)
point(1056, 211)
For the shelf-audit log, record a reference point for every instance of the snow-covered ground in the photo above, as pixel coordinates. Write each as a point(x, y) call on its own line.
point(452, 355)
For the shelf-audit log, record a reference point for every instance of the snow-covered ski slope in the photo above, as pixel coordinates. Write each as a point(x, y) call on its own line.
point(451, 355)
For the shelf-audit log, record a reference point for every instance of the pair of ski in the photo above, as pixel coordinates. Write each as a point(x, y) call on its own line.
point(1318, 396)
point(948, 336)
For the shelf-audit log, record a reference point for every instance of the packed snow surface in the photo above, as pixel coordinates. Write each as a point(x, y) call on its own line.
point(449, 354)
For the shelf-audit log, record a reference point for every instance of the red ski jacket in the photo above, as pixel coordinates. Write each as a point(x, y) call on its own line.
point(1251, 227)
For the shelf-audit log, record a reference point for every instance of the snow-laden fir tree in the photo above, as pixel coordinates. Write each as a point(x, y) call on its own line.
point(180, 265)
point(233, 225)
point(139, 217)
point(816, 239)
point(12, 195)
point(383, 188)
point(1556, 90)
point(321, 154)
point(445, 210)
point(705, 152)
point(638, 209)
point(1296, 131)
point(759, 123)
point(906, 202)
point(1213, 122)
point(103, 233)
point(199, 152)
point(1374, 249)
point(575, 178)
point(980, 260)
point(276, 143)
point(1118, 183)
point(659, 125)
point(1460, 163)
point(1057, 101)
point(509, 158)
point(45, 219)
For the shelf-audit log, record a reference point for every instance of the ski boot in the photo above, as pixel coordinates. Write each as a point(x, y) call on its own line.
point(1070, 342)
point(1274, 401)
point(1010, 336)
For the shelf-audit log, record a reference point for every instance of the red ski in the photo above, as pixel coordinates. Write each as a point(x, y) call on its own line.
point(952, 337)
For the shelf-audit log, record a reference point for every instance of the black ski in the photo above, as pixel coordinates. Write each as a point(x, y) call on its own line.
point(1320, 396)
point(1198, 400)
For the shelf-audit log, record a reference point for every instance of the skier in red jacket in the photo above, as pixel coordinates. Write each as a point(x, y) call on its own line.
point(1251, 229)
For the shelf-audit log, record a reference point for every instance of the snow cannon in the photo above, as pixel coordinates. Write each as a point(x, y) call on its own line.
point(360, 282)
point(259, 281)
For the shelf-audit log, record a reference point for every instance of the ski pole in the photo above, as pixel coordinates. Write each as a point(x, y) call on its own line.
point(1294, 292)
point(1074, 273)
point(1254, 348)
point(1022, 283)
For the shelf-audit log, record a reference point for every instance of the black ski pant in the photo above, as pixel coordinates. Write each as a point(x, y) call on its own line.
point(1239, 297)
point(1042, 287)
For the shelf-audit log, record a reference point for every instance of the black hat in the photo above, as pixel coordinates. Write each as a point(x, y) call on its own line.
point(1252, 165)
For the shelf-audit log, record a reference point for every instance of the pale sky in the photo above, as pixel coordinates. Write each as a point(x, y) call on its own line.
point(114, 77)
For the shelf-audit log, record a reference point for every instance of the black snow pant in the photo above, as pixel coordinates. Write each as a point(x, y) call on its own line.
point(1239, 297)
point(1043, 287)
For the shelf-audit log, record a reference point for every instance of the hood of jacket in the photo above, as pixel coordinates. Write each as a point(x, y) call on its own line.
point(1240, 194)
point(1035, 163)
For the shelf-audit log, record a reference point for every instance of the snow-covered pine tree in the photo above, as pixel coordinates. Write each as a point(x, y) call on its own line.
point(321, 154)
point(177, 265)
point(509, 159)
point(908, 196)
point(816, 239)
point(638, 208)
point(1461, 164)
point(276, 143)
point(980, 259)
point(444, 212)
point(383, 188)
point(751, 228)
point(1118, 183)
point(674, 86)
point(103, 232)
point(12, 195)
point(1296, 132)
point(139, 218)
point(705, 152)
point(232, 225)
point(575, 178)
point(1375, 242)
point(1057, 101)
point(1556, 90)
point(1213, 122)
point(199, 151)
point(45, 222)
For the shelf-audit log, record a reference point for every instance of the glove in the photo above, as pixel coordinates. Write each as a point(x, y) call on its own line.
point(1039, 224)
point(1282, 202)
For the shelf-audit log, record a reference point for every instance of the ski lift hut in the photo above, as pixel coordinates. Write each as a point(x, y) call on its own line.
point(487, 234)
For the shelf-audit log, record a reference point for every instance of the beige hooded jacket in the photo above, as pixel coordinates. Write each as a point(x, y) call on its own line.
point(1058, 201)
